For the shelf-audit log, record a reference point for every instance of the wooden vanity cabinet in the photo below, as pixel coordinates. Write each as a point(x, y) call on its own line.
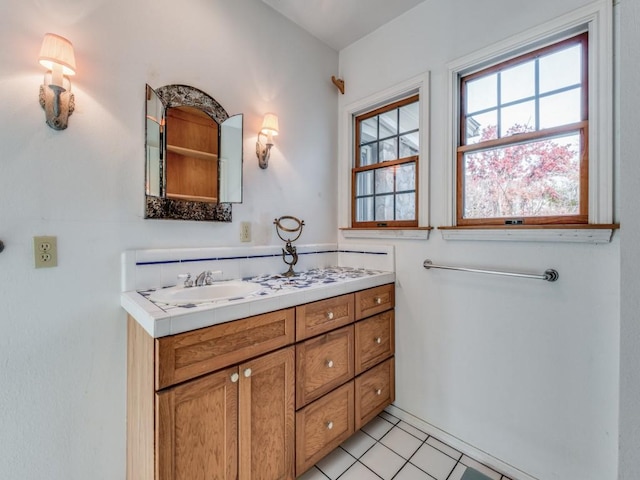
point(233, 417)
point(345, 375)
point(264, 397)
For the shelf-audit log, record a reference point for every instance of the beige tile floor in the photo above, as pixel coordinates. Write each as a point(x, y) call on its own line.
point(391, 449)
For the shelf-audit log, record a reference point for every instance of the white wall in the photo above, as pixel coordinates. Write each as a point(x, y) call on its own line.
point(62, 340)
point(523, 370)
point(629, 466)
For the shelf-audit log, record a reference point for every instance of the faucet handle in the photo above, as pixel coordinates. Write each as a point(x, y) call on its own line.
point(209, 276)
point(187, 279)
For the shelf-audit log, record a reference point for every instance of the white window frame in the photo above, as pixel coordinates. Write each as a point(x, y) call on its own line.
point(597, 19)
point(419, 85)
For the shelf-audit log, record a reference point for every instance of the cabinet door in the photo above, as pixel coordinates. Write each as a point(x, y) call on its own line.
point(323, 363)
point(267, 413)
point(197, 429)
point(375, 340)
point(323, 425)
point(375, 389)
point(375, 300)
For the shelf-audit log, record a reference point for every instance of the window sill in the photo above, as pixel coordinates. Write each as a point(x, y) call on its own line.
point(419, 233)
point(533, 233)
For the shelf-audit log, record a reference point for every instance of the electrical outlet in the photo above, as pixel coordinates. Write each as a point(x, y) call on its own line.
point(245, 231)
point(45, 250)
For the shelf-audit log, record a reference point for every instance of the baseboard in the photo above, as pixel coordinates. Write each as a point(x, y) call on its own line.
point(460, 445)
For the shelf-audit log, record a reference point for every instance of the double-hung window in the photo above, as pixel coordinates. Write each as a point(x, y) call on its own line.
point(523, 142)
point(385, 168)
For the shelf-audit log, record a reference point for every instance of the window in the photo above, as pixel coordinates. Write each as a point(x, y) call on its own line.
point(522, 154)
point(385, 167)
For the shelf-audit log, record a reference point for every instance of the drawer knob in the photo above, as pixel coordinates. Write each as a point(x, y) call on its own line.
point(330, 315)
point(247, 373)
point(378, 340)
point(329, 363)
point(379, 392)
point(329, 425)
point(378, 300)
point(234, 377)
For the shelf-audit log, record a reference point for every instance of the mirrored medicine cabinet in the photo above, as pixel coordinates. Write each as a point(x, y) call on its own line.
point(193, 155)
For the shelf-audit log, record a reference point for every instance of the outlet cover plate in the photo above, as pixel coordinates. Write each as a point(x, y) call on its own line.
point(45, 251)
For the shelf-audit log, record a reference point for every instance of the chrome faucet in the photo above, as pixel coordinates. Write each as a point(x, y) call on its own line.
point(206, 278)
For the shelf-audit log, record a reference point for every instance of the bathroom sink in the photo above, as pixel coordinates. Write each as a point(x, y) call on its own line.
point(207, 293)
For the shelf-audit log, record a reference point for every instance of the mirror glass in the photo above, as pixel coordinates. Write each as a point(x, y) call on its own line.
point(193, 155)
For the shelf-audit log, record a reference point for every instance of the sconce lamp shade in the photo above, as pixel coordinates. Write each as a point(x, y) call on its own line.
point(57, 50)
point(270, 124)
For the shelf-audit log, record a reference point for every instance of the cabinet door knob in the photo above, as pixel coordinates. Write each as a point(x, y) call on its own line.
point(234, 377)
point(378, 392)
point(330, 315)
point(378, 340)
point(378, 300)
point(329, 363)
point(247, 372)
point(329, 425)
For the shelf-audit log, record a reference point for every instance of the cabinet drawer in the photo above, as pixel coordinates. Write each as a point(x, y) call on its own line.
point(323, 425)
point(374, 300)
point(319, 317)
point(375, 389)
point(323, 363)
point(191, 354)
point(375, 340)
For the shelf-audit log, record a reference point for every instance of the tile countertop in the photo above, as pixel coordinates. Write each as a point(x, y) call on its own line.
point(277, 292)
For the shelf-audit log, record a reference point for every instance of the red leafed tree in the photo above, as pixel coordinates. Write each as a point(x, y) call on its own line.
point(527, 179)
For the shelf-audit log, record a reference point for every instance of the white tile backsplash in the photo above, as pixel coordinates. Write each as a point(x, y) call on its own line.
point(155, 268)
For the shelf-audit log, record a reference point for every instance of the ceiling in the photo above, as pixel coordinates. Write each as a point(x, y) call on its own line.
point(339, 23)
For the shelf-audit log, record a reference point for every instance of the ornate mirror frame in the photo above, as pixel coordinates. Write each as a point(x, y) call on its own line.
point(159, 207)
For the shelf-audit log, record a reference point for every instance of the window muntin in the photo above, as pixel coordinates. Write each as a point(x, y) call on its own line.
point(384, 187)
point(524, 139)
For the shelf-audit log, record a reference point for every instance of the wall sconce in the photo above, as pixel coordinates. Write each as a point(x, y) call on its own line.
point(269, 129)
point(56, 55)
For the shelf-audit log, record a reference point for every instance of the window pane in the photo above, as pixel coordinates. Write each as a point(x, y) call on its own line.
point(384, 180)
point(364, 183)
point(560, 69)
point(482, 93)
point(409, 119)
point(482, 127)
point(384, 207)
point(405, 206)
point(518, 82)
point(364, 209)
point(409, 145)
point(533, 179)
point(560, 109)
point(389, 149)
point(518, 118)
point(368, 130)
point(389, 124)
point(368, 154)
point(406, 177)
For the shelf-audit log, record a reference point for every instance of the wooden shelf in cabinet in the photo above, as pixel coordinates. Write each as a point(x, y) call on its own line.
point(189, 152)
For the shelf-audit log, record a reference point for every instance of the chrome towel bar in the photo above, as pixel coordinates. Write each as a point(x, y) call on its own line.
point(549, 275)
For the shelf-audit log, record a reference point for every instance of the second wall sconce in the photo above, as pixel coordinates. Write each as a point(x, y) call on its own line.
point(56, 55)
point(269, 129)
